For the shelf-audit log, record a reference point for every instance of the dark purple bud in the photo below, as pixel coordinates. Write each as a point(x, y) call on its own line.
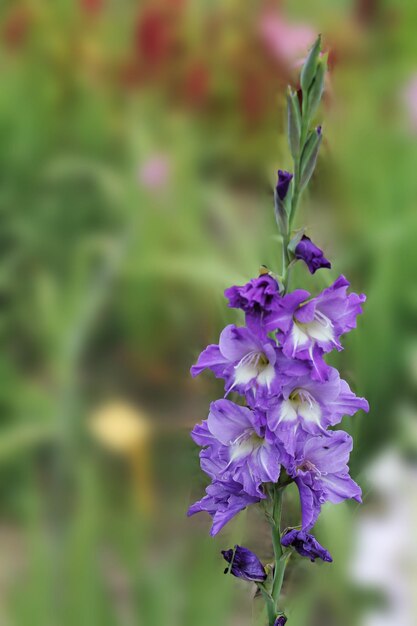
point(284, 180)
point(281, 620)
point(308, 252)
point(306, 545)
point(318, 130)
point(244, 564)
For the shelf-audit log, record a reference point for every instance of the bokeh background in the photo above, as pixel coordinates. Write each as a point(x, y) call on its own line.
point(139, 142)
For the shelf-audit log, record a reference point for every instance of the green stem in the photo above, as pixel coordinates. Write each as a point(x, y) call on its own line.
point(280, 557)
point(295, 200)
point(270, 605)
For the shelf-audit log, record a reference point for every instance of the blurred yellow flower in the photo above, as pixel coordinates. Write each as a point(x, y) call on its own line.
point(120, 427)
point(126, 431)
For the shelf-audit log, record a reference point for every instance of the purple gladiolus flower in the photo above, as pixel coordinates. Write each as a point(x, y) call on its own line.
point(312, 256)
point(239, 446)
point(312, 406)
point(247, 362)
point(257, 299)
point(309, 327)
point(244, 564)
point(306, 545)
point(223, 500)
point(321, 473)
point(283, 184)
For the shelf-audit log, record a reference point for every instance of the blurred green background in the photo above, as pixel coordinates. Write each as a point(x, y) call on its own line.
point(139, 142)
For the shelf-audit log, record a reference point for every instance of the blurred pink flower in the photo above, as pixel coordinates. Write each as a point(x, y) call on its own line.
point(410, 101)
point(288, 42)
point(154, 172)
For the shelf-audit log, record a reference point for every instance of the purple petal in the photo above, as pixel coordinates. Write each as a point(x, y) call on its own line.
point(310, 504)
point(329, 453)
point(210, 358)
point(340, 487)
point(227, 420)
point(235, 343)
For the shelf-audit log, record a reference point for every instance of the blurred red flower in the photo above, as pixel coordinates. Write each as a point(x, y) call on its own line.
point(92, 6)
point(196, 84)
point(154, 36)
point(16, 26)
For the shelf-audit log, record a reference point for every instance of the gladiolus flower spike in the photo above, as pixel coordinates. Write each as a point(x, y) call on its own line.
point(282, 431)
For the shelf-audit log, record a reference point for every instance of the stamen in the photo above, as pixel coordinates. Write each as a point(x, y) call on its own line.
point(257, 359)
point(308, 466)
point(322, 319)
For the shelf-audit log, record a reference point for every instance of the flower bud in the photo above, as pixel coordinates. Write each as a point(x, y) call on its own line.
point(282, 205)
point(309, 156)
point(283, 184)
point(310, 66)
point(281, 620)
point(317, 87)
point(294, 122)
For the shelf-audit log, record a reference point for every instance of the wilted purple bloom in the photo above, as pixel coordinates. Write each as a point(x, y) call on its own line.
point(309, 327)
point(239, 446)
point(283, 184)
point(257, 299)
point(311, 405)
point(247, 362)
point(312, 256)
point(281, 620)
point(223, 500)
point(321, 473)
point(244, 564)
point(306, 545)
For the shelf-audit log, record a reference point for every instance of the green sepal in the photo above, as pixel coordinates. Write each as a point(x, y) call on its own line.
point(309, 157)
point(281, 213)
point(317, 87)
point(295, 240)
point(309, 69)
point(283, 208)
point(269, 569)
point(294, 122)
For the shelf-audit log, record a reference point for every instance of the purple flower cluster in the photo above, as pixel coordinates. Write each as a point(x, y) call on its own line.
point(291, 398)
